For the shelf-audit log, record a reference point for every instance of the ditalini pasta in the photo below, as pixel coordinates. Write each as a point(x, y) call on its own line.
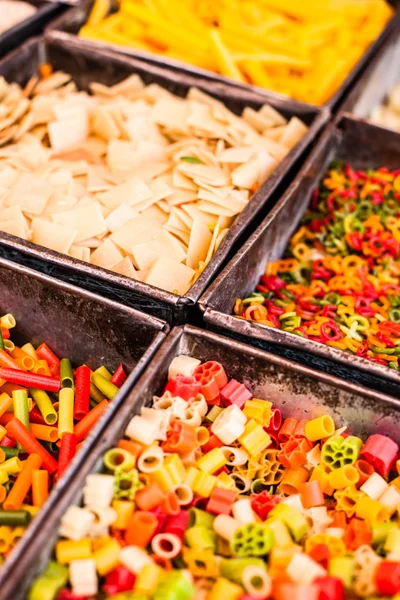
point(262, 507)
point(132, 178)
point(46, 411)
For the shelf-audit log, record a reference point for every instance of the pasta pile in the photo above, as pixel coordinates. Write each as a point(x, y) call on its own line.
point(212, 495)
point(46, 411)
point(302, 49)
point(132, 178)
point(388, 114)
point(339, 282)
point(13, 12)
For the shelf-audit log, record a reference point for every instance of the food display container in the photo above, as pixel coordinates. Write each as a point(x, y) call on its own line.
point(86, 328)
point(15, 36)
point(87, 64)
point(382, 74)
point(69, 24)
point(296, 390)
point(364, 146)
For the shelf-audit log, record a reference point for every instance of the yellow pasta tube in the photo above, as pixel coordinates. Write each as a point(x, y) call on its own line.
point(320, 428)
point(66, 411)
point(68, 550)
point(254, 439)
point(343, 477)
point(124, 510)
point(107, 557)
point(212, 461)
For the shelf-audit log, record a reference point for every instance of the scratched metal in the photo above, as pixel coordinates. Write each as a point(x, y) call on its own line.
point(71, 22)
point(88, 64)
point(363, 145)
point(85, 328)
point(296, 390)
point(16, 35)
point(382, 74)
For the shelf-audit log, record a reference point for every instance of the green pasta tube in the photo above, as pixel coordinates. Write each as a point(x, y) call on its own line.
point(104, 372)
point(15, 518)
point(258, 486)
point(253, 539)
point(95, 395)
point(213, 413)
point(118, 458)
point(174, 586)
point(9, 452)
point(201, 518)
point(2, 346)
point(201, 538)
point(126, 484)
point(232, 568)
point(343, 568)
point(380, 532)
point(106, 387)
point(45, 405)
point(49, 585)
point(66, 373)
point(20, 405)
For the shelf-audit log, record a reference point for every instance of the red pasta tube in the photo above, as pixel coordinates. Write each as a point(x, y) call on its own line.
point(35, 416)
point(378, 450)
point(32, 380)
point(82, 428)
point(20, 433)
point(141, 528)
point(311, 494)
point(67, 452)
point(82, 393)
point(276, 420)
point(118, 580)
point(44, 352)
point(388, 578)
point(331, 588)
point(221, 501)
point(119, 376)
point(8, 442)
point(177, 524)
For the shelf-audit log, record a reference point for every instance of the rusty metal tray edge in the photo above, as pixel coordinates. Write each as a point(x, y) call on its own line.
point(254, 333)
point(161, 330)
point(42, 541)
point(59, 24)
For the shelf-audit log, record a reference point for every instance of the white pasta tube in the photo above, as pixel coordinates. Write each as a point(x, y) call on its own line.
point(98, 489)
point(142, 430)
point(390, 498)
point(184, 493)
point(150, 459)
point(337, 532)
point(192, 417)
point(134, 558)
point(302, 569)
point(105, 516)
point(182, 365)
point(256, 582)
point(76, 523)
point(225, 526)
point(242, 511)
point(166, 545)
point(235, 457)
point(374, 486)
point(243, 484)
point(229, 424)
point(295, 502)
point(83, 577)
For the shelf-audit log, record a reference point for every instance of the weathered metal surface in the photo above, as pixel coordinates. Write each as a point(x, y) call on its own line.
point(34, 25)
point(83, 327)
point(88, 64)
point(364, 146)
point(296, 390)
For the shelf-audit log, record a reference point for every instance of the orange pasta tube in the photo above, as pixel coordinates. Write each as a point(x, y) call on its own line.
point(133, 447)
point(293, 479)
point(40, 487)
point(21, 434)
point(83, 427)
point(150, 497)
point(311, 494)
point(141, 528)
point(170, 505)
point(7, 361)
point(287, 429)
point(22, 484)
point(23, 359)
point(44, 432)
point(6, 402)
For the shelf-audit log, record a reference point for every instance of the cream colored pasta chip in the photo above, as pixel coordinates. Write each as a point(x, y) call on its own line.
point(106, 255)
point(87, 220)
point(125, 267)
point(139, 230)
point(80, 252)
point(145, 254)
point(199, 243)
point(170, 275)
point(53, 235)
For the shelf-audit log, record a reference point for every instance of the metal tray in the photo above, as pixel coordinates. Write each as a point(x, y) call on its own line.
point(70, 23)
point(379, 77)
point(363, 145)
point(297, 390)
point(15, 36)
point(89, 64)
point(84, 327)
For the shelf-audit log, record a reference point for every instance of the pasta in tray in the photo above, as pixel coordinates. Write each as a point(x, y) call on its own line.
point(12, 13)
point(131, 178)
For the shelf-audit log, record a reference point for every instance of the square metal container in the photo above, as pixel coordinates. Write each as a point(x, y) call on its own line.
point(87, 64)
point(83, 327)
point(362, 145)
point(382, 74)
point(298, 391)
point(34, 25)
point(69, 24)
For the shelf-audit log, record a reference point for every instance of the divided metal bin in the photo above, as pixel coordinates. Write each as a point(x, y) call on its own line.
point(34, 25)
point(85, 328)
point(88, 64)
point(361, 144)
point(379, 77)
point(297, 390)
point(69, 24)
